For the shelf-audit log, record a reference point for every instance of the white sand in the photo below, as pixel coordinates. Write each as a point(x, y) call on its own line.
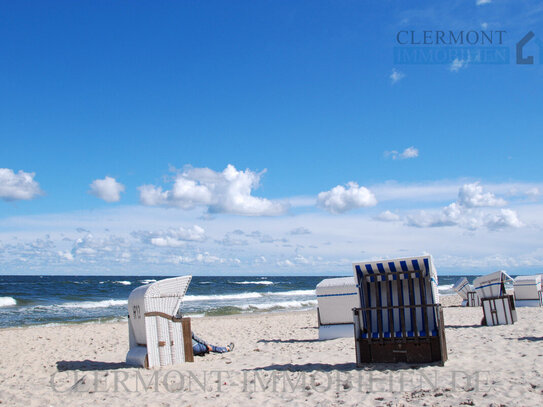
point(277, 359)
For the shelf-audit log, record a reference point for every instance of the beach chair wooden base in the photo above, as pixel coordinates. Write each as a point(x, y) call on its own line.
point(499, 310)
point(420, 349)
point(473, 299)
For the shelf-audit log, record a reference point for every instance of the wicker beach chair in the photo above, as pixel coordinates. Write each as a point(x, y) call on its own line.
point(498, 306)
point(399, 318)
point(158, 337)
point(336, 299)
point(465, 290)
point(528, 291)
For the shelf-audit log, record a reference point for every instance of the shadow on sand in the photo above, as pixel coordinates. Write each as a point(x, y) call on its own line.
point(528, 338)
point(327, 367)
point(89, 365)
point(288, 340)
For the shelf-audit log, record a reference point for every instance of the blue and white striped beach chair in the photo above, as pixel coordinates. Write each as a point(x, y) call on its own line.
point(466, 291)
point(399, 319)
point(498, 306)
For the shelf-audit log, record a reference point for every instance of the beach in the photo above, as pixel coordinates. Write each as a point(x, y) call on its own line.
point(277, 359)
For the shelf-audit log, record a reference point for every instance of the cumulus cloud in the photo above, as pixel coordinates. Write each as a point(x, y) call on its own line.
point(107, 189)
point(472, 196)
point(228, 191)
point(458, 64)
point(467, 212)
point(409, 152)
point(388, 216)
point(18, 186)
point(340, 199)
point(396, 76)
point(173, 237)
point(505, 218)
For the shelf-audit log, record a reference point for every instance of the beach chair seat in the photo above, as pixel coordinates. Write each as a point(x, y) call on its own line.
point(336, 299)
point(399, 318)
point(465, 290)
point(528, 291)
point(498, 306)
point(158, 336)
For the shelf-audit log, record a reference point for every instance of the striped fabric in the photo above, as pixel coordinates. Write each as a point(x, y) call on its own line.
point(492, 285)
point(398, 283)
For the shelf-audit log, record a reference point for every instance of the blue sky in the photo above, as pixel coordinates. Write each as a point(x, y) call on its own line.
point(300, 99)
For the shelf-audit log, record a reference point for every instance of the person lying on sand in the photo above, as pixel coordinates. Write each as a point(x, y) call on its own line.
point(201, 347)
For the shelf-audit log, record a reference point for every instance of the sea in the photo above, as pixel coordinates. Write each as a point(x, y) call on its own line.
point(49, 300)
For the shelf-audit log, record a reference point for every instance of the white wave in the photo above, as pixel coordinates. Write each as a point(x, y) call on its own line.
point(205, 282)
point(7, 302)
point(93, 304)
point(445, 287)
point(252, 282)
point(292, 293)
point(197, 315)
point(123, 282)
point(280, 304)
point(223, 297)
point(151, 280)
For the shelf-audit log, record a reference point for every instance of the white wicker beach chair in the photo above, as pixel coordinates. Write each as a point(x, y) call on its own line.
point(399, 319)
point(528, 291)
point(158, 336)
point(498, 306)
point(336, 299)
point(465, 290)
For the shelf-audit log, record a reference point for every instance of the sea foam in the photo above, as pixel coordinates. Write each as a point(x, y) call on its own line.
point(253, 282)
point(7, 302)
point(93, 304)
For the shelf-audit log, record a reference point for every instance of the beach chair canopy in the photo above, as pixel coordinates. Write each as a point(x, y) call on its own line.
point(155, 331)
point(527, 287)
point(462, 287)
point(492, 285)
point(397, 295)
point(336, 297)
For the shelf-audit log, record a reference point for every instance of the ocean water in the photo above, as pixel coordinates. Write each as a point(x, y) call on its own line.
point(34, 300)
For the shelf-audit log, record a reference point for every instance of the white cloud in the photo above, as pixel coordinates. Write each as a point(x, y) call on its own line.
point(504, 219)
point(388, 216)
point(172, 237)
point(66, 256)
point(533, 193)
point(472, 196)
point(481, 2)
point(409, 152)
point(18, 186)
point(466, 212)
point(396, 76)
point(340, 199)
point(107, 189)
point(458, 64)
point(228, 191)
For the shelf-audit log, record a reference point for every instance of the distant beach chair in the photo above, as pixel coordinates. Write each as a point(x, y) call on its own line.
point(399, 318)
point(498, 306)
point(465, 290)
point(528, 291)
point(336, 299)
point(158, 337)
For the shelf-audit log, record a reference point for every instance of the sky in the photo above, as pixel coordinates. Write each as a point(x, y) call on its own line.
point(266, 137)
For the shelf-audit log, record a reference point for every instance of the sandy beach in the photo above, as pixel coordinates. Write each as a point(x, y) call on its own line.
point(277, 359)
